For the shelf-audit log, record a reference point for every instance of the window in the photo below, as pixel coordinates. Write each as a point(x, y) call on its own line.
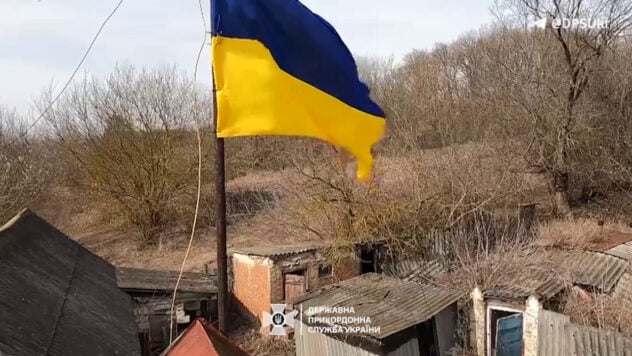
point(325, 271)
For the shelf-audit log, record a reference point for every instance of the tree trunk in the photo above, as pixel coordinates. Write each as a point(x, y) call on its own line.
point(559, 189)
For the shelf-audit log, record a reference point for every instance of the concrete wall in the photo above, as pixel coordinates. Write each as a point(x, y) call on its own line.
point(251, 285)
point(530, 310)
point(477, 323)
point(531, 315)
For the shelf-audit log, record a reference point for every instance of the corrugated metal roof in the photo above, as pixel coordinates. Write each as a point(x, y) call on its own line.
point(623, 290)
point(392, 304)
point(596, 269)
point(588, 268)
point(544, 284)
point(558, 336)
point(414, 270)
point(275, 251)
point(622, 251)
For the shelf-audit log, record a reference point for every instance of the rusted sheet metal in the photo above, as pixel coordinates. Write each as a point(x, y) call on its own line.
point(202, 339)
point(622, 251)
point(596, 269)
point(612, 240)
point(557, 336)
point(392, 304)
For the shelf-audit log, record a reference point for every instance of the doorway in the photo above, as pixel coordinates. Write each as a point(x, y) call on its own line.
point(368, 260)
point(427, 338)
point(294, 285)
point(504, 331)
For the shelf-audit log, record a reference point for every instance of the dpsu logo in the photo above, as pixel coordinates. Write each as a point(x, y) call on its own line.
point(566, 23)
point(279, 319)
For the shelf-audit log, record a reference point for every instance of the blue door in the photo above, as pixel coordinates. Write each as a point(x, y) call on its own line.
point(509, 336)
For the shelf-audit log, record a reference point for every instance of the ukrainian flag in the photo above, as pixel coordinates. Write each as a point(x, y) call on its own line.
point(280, 69)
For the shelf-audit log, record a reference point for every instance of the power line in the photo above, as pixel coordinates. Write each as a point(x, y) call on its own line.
point(199, 178)
point(70, 79)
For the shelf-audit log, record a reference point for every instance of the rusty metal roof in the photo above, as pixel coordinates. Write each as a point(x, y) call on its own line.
point(392, 304)
point(202, 339)
point(277, 251)
point(612, 240)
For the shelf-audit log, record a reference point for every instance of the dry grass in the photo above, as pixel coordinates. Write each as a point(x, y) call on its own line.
point(577, 233)
point(600, 311)
point(111, 239)
point(256, 344)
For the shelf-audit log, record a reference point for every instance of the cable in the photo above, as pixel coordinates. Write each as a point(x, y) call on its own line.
point(70, 79)
point(199, 186)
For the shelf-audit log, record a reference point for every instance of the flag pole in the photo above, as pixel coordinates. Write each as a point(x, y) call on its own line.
point(220, 211)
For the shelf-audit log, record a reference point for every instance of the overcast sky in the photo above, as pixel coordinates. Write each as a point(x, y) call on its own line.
point(41, 41)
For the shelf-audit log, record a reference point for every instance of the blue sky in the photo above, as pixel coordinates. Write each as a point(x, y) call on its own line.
point(41, 41)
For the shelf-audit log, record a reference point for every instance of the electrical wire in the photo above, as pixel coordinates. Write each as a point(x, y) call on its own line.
point(199, 184)
point(70, 79)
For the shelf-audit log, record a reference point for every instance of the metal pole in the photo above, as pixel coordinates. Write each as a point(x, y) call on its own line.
point(220, 218)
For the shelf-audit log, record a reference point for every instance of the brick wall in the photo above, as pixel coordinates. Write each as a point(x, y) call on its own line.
point(259, 282)
point(251, 285)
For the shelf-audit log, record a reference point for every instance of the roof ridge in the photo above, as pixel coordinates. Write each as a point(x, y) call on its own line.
point(63, 303)
point(18, 217)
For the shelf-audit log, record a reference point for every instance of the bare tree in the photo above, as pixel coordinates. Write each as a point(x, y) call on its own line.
point(20, 178)
point(580, 49)
point(130, 138)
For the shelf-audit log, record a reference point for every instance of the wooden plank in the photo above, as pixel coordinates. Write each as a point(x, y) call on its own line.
point(133, 279)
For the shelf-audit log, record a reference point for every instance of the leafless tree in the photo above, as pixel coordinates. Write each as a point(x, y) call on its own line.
point(20, 178)
point(131, 139)
point(580, 50)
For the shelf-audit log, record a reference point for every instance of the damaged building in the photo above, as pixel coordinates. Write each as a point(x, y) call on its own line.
point(375, 314)
point(523, 316)
point(278, 274)
point(152, 293)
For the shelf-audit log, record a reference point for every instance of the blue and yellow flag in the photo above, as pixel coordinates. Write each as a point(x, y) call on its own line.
point(282, 70)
